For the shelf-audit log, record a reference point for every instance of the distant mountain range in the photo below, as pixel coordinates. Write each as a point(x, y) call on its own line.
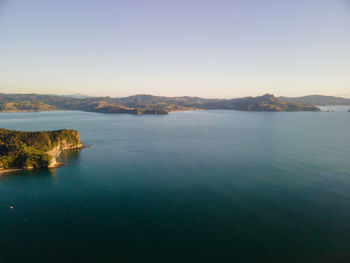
point(78, 96)
point(318, 100)
point(148, 104)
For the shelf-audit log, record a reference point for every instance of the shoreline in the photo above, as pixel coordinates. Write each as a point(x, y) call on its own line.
point(167, 111)
point(19, 111)
point(9, 170)
point(56, 165)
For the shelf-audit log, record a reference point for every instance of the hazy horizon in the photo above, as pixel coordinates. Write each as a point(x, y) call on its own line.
point(147, 94)
point(221, 49)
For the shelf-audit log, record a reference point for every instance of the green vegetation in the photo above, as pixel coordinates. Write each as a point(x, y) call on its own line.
point(146, 104)
point(20, 149)
point(26, 106)
point(318, 100)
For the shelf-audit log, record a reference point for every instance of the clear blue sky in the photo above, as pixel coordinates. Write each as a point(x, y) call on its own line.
point(215, 48)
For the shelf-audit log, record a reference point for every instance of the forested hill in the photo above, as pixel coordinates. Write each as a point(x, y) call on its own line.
point(318, 100)
point(145, 104)
point(19, 149)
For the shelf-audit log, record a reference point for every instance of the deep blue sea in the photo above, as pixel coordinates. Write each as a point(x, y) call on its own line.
point(196, 186)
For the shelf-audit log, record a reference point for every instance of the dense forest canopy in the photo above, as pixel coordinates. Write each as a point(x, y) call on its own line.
point(20, 149)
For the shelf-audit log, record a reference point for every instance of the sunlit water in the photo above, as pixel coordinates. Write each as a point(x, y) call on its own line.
point(201, 186)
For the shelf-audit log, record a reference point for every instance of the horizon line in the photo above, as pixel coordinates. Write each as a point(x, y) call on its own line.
point(183, 96)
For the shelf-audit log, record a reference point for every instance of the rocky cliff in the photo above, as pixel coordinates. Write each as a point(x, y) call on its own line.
point(30, 150)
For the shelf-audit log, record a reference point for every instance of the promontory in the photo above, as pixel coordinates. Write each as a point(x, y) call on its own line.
point(29, 150)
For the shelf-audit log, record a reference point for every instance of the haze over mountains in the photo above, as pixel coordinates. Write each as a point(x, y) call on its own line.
point(146, 104)
point(319, 100)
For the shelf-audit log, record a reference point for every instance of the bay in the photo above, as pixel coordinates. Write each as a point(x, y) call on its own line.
point(197, 186)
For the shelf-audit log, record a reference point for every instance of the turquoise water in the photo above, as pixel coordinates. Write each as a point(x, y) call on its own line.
point(201, 186)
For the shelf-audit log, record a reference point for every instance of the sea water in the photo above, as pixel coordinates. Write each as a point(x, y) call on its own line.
point(196, 186)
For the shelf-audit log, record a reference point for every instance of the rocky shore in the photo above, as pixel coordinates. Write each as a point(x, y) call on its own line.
point(31, 150)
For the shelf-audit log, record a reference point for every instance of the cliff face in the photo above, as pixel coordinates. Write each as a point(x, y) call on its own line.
point(62, 145)
point(35, 149)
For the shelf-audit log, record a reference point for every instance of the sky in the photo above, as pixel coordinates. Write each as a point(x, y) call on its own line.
point(206, 48)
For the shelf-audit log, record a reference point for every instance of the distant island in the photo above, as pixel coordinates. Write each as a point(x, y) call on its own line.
point(29, 150)
point(147, 104)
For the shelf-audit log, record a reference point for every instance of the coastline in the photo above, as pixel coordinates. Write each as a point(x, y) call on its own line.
point(18, 111)
point(9, 170)
point(29, 143)
point(188, 109)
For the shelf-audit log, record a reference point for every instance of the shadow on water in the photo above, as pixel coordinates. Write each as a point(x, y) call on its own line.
point(71, 156)
point(65, 158)
point(28, 173)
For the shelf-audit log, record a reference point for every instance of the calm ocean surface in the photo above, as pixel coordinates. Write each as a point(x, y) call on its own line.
point(201, 186)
